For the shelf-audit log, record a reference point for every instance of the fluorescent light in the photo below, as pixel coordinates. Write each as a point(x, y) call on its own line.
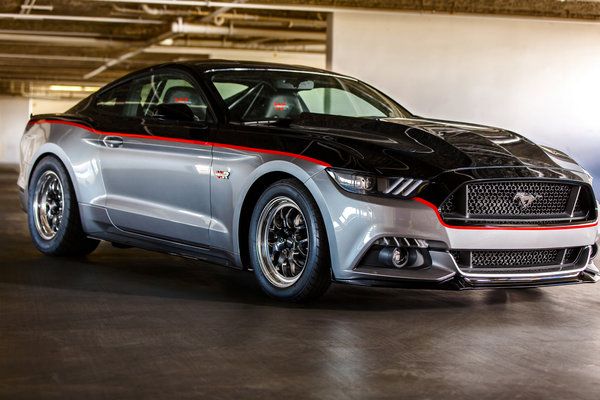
point(66, 88)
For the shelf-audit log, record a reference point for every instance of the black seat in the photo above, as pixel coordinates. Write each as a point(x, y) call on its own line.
point(286, 105)
point(186, 95)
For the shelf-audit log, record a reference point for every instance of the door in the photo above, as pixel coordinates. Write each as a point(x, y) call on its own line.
point(155, 162)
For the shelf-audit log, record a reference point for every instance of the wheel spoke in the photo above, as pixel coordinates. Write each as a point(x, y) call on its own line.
point(287, 218)
point(283, 241)
point(48, 204)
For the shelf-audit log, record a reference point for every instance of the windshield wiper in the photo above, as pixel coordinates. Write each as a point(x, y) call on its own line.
point(274, 122)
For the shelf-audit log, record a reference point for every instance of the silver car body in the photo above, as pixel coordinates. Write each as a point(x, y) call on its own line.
point(187, 198)
point(196, 209)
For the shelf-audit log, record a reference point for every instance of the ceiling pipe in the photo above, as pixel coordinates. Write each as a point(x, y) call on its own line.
point(52, 57)
point(179, 28)
point(57, 33)
point(251, 6)
point(38, 17)
point(149, 43)
point(228, 52)
point(147, 10)
point(27, 8)
point(205, 29)
point(62, 40)
point(220, 11)
point(128, 55)
point(249, 18)
point(302, 46)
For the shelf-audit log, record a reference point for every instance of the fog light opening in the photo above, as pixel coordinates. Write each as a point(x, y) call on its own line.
point(398, 257)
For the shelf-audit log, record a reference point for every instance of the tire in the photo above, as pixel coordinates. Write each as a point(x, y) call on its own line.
point(53, 212)
point(288, 243)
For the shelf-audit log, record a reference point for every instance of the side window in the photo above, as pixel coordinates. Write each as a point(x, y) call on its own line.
point(229, 89)
point(113, 101)
point(142, 98)
point(338, 102)
point(177, 90)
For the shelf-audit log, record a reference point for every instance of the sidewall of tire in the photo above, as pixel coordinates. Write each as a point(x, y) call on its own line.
point(52, 246)
point(310, 284)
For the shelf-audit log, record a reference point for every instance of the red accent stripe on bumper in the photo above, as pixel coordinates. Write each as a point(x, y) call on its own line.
point(434, 208)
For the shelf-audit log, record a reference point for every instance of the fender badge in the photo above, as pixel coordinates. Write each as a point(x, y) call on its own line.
point(222, 174)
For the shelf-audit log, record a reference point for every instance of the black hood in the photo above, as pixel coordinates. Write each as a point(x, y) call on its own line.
point(425, 148)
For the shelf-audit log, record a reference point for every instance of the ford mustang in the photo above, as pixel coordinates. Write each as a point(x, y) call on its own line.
point(305, 177)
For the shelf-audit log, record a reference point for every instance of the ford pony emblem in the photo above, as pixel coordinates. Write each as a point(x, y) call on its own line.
point(526, 199)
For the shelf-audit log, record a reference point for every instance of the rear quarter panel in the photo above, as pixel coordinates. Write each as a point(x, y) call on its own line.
point(75, 147)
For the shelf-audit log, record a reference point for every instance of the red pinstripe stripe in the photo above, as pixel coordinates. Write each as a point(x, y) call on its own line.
point(197, 142)
point(512, 228)
point(313, 160)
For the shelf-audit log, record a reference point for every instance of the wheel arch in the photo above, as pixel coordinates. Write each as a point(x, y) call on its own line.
point(257, 187)
point(52, 150)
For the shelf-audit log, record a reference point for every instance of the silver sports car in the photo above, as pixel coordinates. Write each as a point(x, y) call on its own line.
point(305, 177)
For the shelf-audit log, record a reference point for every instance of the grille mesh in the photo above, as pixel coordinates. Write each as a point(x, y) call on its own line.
point(508, 198)
point(518, 202)
point(448, 206)
point(513, 258)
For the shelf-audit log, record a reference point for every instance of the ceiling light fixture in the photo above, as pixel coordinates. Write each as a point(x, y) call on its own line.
point(67, 88)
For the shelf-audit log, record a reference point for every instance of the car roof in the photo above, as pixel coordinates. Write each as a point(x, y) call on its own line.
point(201, 66)
point(207, 65)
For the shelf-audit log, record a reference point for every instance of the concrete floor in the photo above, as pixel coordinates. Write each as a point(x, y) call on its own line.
point(129, 324)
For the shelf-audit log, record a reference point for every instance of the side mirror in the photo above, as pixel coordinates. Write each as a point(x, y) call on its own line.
point(174, 112)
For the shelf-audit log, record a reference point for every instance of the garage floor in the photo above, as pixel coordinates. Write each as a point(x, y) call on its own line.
point(126, 324)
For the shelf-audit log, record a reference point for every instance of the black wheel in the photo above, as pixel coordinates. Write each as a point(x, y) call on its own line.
point(53, 213)
point(288, 244)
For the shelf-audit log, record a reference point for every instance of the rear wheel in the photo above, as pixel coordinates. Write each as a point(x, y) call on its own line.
point(53, 212)
point(288, 246)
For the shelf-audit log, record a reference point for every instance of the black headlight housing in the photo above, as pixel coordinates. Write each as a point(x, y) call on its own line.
point(367, 183)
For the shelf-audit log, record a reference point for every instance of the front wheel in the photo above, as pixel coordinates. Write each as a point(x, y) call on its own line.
point(53, 212)
point(288, 245)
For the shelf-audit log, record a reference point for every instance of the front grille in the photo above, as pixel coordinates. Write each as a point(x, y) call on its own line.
point(519, 202)
point(515, 260)
point(502, 198)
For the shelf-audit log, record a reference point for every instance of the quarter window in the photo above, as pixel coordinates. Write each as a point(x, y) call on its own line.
point(141, 97)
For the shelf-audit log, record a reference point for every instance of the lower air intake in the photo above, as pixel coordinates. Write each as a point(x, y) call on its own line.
point(515, 260)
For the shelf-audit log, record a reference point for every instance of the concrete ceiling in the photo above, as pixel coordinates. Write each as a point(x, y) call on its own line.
point(86, 43)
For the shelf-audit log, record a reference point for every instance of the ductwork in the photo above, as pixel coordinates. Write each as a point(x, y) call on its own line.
point(180, 27)
point(58, 39)
point(76, 18)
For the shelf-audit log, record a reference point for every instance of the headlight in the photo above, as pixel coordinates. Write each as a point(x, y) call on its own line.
point(365, 183)
point(353, 182)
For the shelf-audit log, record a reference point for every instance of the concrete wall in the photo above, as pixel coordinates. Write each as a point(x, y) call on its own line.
point(537, 77)
point(44, 106)
point(14, 114)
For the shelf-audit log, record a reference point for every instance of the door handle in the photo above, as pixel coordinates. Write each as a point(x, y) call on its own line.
point(112, 141)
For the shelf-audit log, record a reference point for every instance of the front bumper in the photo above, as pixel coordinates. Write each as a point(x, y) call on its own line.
point(355, 223)
point(444, 273)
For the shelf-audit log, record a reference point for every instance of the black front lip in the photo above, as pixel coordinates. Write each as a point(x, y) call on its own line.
point(583, 277)
point(461, 283)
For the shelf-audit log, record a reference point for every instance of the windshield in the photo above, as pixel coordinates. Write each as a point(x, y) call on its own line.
point(253, 95)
